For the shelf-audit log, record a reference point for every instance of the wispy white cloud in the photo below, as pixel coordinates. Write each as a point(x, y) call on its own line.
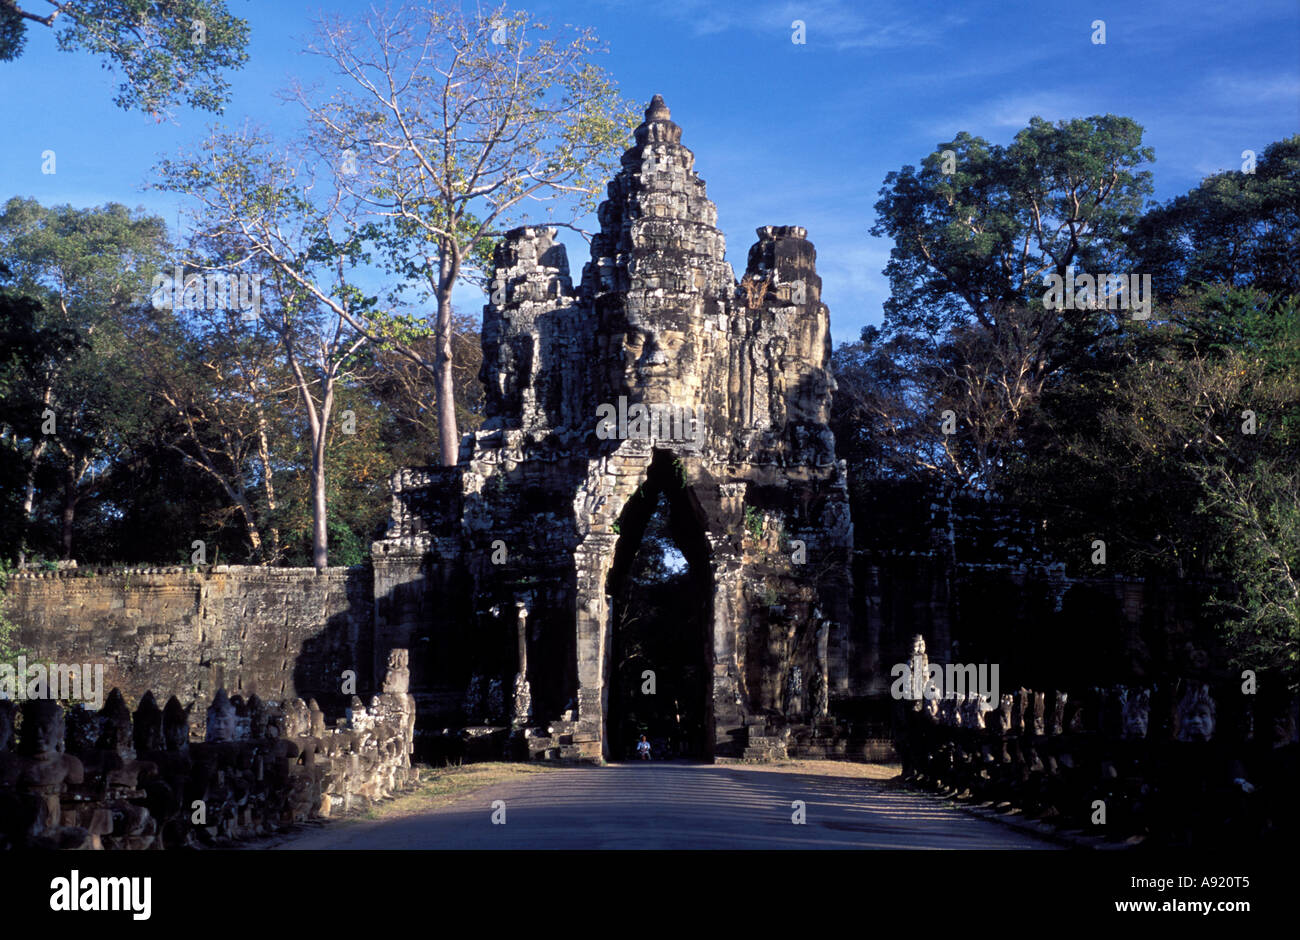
point(840, 23)
point(1254, 88)
point(1006, 112)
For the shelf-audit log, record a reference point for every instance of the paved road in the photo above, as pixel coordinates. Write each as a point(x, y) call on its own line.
point(677, 806)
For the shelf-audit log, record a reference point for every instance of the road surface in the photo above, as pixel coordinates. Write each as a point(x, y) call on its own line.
point(676, 806)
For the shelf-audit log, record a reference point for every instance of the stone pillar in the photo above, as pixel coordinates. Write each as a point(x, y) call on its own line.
point(523, 699)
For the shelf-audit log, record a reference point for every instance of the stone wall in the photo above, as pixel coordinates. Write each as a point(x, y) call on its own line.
point(274, 632)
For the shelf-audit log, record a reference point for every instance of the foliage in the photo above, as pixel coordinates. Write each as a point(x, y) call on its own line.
point(1172, 440)
point(1236, 228)
point(9, 648)
point(87, 268)
point(972, 249)
point(166, 50)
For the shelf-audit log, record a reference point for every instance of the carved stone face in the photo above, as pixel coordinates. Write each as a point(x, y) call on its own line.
point(221, 719)
point(1137, 712)
point(176, 725)
point(654, 353)
point(45, 719)
point(1198, 723)
point(115, 724)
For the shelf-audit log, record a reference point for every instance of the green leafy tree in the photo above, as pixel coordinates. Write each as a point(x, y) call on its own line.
point(977, 230)
point(88, 268)
point(30, 352)
point(1235, 228)
point(167, 51)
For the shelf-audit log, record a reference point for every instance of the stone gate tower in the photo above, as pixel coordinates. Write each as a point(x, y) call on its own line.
point(658, 376)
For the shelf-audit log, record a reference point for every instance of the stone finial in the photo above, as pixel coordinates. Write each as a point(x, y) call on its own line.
point(148, 725)
point(658, 126)
point(221, 719)
point(657, 111)
point(772, 232)
point(176, 725)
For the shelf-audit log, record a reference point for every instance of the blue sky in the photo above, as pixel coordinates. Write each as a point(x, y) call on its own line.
point(784, 134)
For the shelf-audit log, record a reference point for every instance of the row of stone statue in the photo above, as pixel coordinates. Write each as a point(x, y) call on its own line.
point(1026, 711)
point(1098, 766)
point(79, 778)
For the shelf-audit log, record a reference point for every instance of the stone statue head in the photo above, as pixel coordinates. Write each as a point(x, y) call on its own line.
point(1077, 720)
point(1038, 707)
point(1005, 706)
point(1196, 714)
point(42, 728)
point(949, 711)
point(115, 725)
point(1020, 720)
point(971, 716)
point(148, 725)
point(397, 680)
point(297, 719)
point(1058, 712)
point(316, 719)
point(221, 719)
point(1136, 707)
point(176, 725)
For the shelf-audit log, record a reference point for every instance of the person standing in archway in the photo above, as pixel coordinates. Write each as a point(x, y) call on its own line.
point(643, 748)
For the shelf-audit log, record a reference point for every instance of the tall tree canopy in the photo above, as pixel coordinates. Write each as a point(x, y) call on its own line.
point(167, 51)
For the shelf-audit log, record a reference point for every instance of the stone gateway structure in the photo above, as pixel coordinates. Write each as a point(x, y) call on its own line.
point(659, 377)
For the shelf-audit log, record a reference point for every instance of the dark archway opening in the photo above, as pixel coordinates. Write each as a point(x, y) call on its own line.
point(660, 655)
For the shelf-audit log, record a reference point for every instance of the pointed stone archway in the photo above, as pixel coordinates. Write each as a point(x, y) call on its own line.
point(678, 673)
